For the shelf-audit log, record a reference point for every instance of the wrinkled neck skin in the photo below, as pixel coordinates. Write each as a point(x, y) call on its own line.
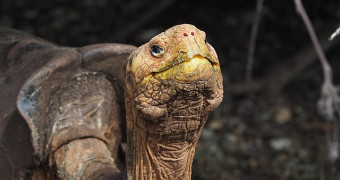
point(164, 147)
point(165, 156)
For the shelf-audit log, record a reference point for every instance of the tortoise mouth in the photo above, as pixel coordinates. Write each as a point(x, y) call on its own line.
point(188, 70)
point(179, 60)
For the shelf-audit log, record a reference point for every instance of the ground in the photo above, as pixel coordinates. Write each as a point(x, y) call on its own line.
point(274, 132)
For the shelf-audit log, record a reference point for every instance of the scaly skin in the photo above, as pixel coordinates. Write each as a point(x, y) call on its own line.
point(168, 99)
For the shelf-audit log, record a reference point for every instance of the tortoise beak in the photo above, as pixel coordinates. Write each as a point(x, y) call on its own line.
point(202, 49)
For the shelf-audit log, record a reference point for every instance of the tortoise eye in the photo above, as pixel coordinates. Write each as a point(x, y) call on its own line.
point(157, 51)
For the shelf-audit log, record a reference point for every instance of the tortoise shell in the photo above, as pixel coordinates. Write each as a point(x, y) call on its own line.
point(31, 71)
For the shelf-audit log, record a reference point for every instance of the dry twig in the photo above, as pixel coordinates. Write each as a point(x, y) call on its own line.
point(137, 24)
point(252, 41)
point(336, 33)
point(329, 102)
point(278, 77)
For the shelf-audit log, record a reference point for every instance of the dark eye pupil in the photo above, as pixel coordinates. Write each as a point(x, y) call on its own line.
point(156, 49)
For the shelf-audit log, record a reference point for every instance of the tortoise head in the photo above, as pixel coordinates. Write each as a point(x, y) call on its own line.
point(182, 48)
point(180, 56)
point(172, 83)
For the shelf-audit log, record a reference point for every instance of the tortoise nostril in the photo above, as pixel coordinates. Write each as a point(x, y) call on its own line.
point(192, 33)
point(185, 34)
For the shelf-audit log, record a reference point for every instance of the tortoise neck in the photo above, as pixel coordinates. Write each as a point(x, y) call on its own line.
point(154, 154)
point(153, 160)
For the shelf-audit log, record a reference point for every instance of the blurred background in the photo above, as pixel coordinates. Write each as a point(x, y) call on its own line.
point(266, 128)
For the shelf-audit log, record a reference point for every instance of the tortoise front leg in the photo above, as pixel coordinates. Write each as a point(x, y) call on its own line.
point(85, 131)
point(87, 158)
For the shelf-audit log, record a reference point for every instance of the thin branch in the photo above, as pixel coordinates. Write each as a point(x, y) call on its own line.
point(329, 102)
point(252, 41)
point(137, 24)
point(277, 77)
point(327, 70)
point(336, 33)
point(332, 140)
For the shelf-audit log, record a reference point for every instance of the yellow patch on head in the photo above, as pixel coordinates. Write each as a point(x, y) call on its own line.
point(196, 68)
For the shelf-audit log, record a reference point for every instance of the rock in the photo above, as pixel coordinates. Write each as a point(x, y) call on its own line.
point(217, 124)
point(280, 144)
point(283, 115)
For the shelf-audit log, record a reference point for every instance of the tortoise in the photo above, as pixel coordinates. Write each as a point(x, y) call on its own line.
point(105, 111)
